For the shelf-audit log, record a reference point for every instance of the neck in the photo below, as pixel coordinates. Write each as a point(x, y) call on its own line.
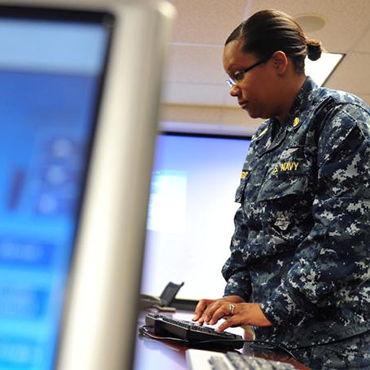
point(291, 90)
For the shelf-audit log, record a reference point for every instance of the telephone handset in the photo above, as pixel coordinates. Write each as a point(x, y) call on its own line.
point(163, 302)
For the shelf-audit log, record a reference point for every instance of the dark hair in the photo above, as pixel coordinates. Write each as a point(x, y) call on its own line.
point(268, 31)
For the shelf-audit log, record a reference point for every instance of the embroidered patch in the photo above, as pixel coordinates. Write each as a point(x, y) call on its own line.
point(282, 222)
point(285, 166)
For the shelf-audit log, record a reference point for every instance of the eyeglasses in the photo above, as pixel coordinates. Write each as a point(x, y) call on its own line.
point(238, 76)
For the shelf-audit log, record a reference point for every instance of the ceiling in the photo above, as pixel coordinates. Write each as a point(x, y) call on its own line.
point(196, 97)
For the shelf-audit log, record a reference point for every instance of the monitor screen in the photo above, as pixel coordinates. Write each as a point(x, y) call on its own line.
point(51, 68)
point(191, 211)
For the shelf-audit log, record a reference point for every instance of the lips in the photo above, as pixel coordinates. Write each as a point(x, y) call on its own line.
point(243, 105)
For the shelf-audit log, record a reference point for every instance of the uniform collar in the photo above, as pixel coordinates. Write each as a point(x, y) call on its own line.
point(300, 104)
point(291, 123)
point(266, 141)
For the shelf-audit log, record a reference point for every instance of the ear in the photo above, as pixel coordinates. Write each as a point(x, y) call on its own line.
point(280, 62)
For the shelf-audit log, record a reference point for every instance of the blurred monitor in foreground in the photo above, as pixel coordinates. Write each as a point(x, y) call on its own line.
point(75, 160)
point(191, 211)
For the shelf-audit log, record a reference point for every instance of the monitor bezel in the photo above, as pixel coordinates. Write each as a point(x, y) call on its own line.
point(54, 13)
point(96, 17)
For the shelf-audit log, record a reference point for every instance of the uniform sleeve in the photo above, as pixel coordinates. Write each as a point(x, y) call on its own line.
point(334, 259)
point(234, 270)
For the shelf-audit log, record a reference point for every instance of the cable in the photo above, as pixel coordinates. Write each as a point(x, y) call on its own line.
point(143, 330)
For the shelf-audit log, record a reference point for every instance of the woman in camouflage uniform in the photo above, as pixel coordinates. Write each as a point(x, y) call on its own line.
point(299, 269)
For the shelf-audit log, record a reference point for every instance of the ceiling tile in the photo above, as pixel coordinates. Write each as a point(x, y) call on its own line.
point(207, 21)
point(195, 76)
point(195, 64)
point(190, 113)
point(239, 117)
point(364, 44)
point(352, 74)
point(346, 20)
point(191, 93)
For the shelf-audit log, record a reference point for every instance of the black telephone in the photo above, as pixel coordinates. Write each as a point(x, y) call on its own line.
point(163, 302)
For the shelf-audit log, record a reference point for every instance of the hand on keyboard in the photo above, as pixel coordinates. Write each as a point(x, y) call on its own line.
point(193, 334)
point(206, 306)
point(233, 309)
point(244, 314)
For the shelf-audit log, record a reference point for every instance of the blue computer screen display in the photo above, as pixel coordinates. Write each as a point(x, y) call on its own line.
point(191, 211)
point(50, 78)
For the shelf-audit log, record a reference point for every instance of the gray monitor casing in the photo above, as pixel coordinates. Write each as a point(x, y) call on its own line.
point(99, 320)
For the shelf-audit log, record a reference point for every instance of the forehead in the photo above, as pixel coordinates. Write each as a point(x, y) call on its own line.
point(234, 58)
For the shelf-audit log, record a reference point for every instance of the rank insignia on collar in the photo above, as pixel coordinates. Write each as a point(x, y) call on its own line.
point(263, 132)
point(244, 175)
point(296, 122)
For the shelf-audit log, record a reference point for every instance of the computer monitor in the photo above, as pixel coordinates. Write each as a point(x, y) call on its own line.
point(77, 139)
point(191, 212)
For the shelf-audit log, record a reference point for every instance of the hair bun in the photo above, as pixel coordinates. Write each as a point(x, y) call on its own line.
point(314, 49)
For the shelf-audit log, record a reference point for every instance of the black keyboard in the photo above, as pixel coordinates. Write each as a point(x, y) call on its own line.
point(194, 334)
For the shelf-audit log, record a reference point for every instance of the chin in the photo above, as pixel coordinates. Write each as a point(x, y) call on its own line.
point(253, 114)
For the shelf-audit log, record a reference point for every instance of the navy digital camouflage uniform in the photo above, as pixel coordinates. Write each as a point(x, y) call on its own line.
point(301, 245)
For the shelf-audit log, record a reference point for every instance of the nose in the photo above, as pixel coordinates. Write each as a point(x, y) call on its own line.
point(234, 90)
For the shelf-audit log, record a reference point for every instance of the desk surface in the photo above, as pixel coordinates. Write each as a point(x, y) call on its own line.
point(155, 354)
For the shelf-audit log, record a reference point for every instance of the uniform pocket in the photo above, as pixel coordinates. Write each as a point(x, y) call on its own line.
point(240, 191)
point(285, 201)
point(283, 185)
point(288, 176)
